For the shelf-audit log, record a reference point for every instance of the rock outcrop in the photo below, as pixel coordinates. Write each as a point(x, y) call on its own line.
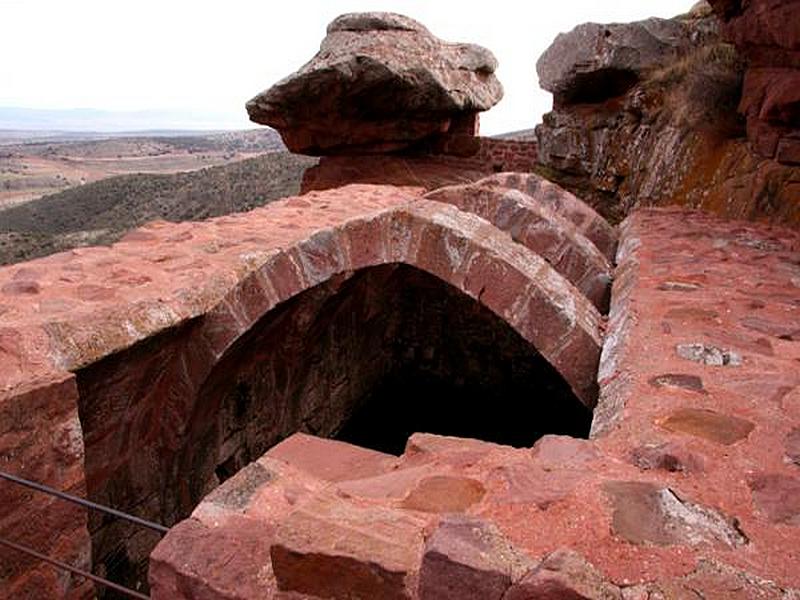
point(646, 114)
point(596, 62)
point(380, 82)
point(767, 34)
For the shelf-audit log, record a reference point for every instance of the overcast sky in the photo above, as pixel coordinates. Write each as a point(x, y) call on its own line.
point(208, 58)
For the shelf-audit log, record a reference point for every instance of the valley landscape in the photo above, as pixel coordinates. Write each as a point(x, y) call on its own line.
point(36, 163)
point(65, 192)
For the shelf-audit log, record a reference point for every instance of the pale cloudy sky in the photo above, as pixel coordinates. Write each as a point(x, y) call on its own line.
point(206, 59)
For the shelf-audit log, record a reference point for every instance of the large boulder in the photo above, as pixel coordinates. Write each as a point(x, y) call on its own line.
point(647, 113)
point(380, 82)
point(596, 60)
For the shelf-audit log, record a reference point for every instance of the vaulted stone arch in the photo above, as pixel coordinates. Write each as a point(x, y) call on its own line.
point(537, 227)
point(458, 247)
point(140, 406)
point(587, 221)
point(319, 290)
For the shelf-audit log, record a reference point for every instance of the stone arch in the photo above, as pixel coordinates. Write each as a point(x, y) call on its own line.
point(372, 356)
point(156, 382)
point(586, 220)
point(458, 247)
point(532, 224)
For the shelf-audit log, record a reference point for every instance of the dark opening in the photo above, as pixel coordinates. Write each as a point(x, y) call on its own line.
point(458, 369)
point(598, 86)
point(412, 401)
point(368, 357)
point(374, 358)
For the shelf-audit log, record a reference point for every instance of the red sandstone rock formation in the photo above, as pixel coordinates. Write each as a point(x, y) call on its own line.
point(380, 82)
point(190, 355)
point(767, 33)
point(646, 114)
point(603, 61)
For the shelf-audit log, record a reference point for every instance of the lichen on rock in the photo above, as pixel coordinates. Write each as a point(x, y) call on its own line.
point(648, 113)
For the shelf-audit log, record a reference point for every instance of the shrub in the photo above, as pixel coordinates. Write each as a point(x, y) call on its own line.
point(703, 88)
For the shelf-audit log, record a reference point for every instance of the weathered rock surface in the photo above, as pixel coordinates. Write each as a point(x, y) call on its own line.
point(595, 61)
point(467, 558)
point(647, 514)
point(767, 33)
point(564, 574)
point(380, 82)
point(671, 456)
point(777, 496)
point(328, 547)
point(793, 446)
point(648, 115)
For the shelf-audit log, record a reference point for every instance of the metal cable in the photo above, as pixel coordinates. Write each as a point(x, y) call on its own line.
point(86, 503)
point(76, 570)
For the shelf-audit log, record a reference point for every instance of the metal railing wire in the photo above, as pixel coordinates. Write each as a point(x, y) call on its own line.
point(87, 504)
point(62, 565)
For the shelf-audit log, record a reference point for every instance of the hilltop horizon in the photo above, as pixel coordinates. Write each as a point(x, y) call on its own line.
point(101, 120)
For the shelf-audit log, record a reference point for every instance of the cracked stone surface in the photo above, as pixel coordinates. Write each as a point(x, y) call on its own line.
point(646, 513)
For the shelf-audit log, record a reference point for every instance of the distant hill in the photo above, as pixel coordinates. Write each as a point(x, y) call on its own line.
point(101, 212)
point(109, 145)
point(34, 164)
point(89, 119)
point(32, 136)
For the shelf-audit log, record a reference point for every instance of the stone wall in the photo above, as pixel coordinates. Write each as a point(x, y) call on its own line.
point(472, 158)
point(507, 155)
point(133, 340)
point(41, 440)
